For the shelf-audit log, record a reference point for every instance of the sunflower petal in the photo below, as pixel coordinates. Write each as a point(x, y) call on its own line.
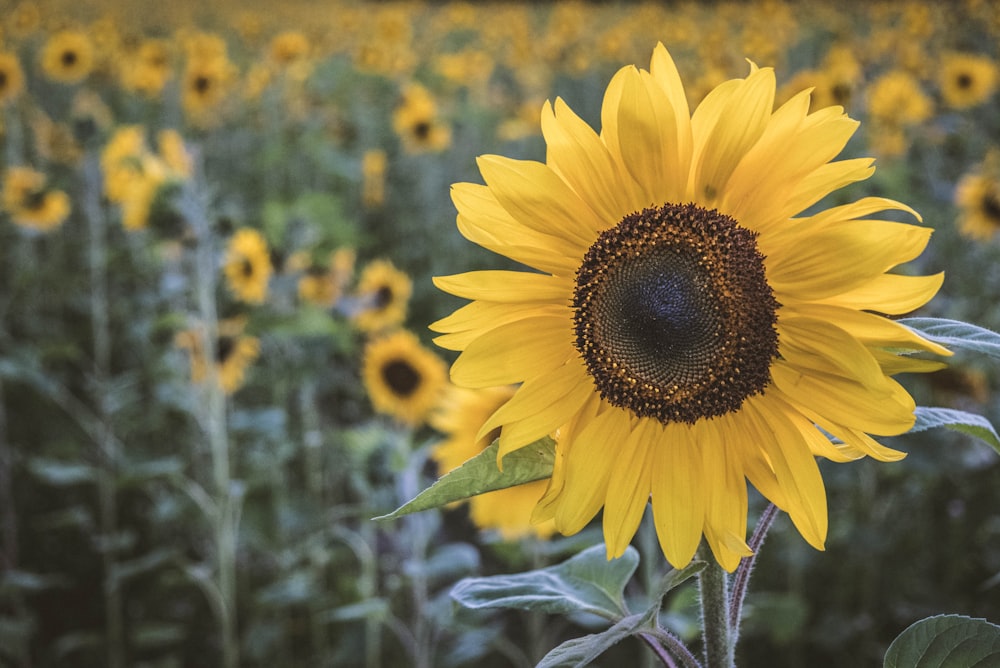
point(629, 486)
point(513, 352)
point(677, 486)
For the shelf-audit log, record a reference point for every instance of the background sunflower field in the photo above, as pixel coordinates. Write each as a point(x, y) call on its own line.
point(218, 228)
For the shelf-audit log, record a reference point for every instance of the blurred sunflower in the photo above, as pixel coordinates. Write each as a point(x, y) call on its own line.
point(896, 102)
point(134, 175)
point(403, 379)
point(248, 265)
point(24, 20)
point(11, 77)
point(289, 47)
point(977, 196)
point(685, 332)
point(967, 80)
point(459, 416)
point(234, 353)
point(205, 84)
point(323, 284)
point(30, 203)
point(149, 68)
point(383, 293)
point(68, 56)
point(416, 122)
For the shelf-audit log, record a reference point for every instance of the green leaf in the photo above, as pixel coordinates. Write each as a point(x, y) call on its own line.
point(583, 651)
point(946, 641)
point(956, 334)
point(481, 474)
point(674, 578)
point(956, 420)
point(587, 582)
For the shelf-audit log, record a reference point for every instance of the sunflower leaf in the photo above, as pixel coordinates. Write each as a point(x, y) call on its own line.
point(583, 651)
point(956, 334)
point(481, 474)
point(586, 582)
point(955, 641)
point(956, 420)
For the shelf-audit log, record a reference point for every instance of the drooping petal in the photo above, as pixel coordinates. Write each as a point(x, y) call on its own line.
point(629, 486)
point(726, 498)
point(678, 494)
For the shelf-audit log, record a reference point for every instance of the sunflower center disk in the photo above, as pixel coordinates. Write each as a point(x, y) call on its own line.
point(674, 317)
point(401, 377)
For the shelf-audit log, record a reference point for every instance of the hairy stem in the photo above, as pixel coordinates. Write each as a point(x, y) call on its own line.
point(713, 590)
point(741, 579)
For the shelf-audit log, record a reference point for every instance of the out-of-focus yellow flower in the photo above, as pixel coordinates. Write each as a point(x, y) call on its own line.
point(977, 196)
point(288, 47)
point(205, 84)
point(234, 353)
point(403, 378)
point(323, 284)
point(383, 293)
point(11, 77)
point(967, 80)
point(470, 67)
point(416, 121)
point(54, 142)
point(898, 98)
point(24, 20)
point(174, 153)
point(68, 56)
point(373, 166)
point(148, 70)
point(248, 265)
point(30, 203)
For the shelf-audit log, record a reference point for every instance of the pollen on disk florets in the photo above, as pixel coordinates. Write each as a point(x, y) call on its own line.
point(674, 316)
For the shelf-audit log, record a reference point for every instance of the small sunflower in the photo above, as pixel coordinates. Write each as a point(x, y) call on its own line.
point(11, 78)
point(686, 328)
point(403, 379)
point(978, 198)
point(322, 285)
point(205, 84)
point(234, 353)
point(288, 47)
point(416, 122)
point(248, 265)
point(68, 56)
point(383, 293)
point(31, 203)
point(460, 415)
point(148, 70)
point(967, 80)
point(897, 98)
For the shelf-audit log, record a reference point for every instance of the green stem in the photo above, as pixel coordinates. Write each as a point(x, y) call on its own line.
point(107, 453)
point(213, 407)
point(713, 590)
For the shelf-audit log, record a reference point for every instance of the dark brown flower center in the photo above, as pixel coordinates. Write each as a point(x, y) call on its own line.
point(964, 81)
point(68, 58)
point(674, 316)
point(400, 377)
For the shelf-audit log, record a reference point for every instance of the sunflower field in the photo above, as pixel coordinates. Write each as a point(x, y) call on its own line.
point(233, 238)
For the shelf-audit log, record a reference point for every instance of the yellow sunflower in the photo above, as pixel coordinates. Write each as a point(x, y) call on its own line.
point(248, 265)
point(686, 329)
point(149, 68)
point(68, 56)
point(31, 203)
point(967, 80)
point(460, 415)
point(205, 84)
point(383, 293)
point(416, 122)
point(978, 198)
point(373, 167)
point(322, 285)
point(403, 378)
point(234, 353)
point(11, 77)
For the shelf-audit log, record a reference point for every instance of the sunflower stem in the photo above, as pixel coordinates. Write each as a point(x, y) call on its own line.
point(713, 585)
point(742, 577)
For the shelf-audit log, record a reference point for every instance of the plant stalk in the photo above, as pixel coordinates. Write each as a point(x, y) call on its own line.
point(713, 585)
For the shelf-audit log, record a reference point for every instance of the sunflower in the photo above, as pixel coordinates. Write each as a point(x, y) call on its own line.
point(204, 86)
point(978, 198)
point(11, 77)
point(322, 285)
point(68, 56)
point(897, 98)
point(383, 293)
point(967, 80)
point(288, 47)
point(149, 68)
point(416, 121)
point(460, 415)
point(234, 353)
point(31, 203)
point(248, 265)
point(686, 329)
point(373, 166)
point(403, 378)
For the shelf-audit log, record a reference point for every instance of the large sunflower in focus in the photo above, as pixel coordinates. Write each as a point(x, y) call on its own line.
point(686, 329)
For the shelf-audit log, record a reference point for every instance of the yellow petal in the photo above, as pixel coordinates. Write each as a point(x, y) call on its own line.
point(869, 328)
point(809, 343)
point(538, 198)
point(629, 485)
point(677, 486)
point(824, 180)
point(726, 498)
point(890, 293)
point(513, 352)
point(497, 285)
point(470, 321)
point(664, 72)
point(588, 469)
